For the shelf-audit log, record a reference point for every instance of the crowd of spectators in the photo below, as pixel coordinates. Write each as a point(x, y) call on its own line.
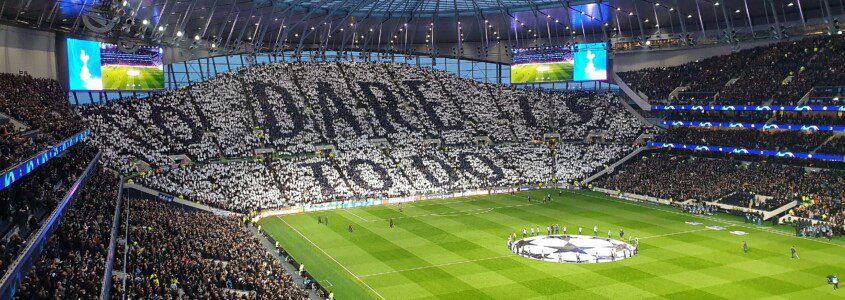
point(780, 73)
point(575, 162)
point(14, 146)
point(682, 177)
point(178, 253)
point(25, 204)
point(444, 133)
point(42, 107)
point(237, 186)
point(72, 264)
point(293, 107)
point(372, 172)
point(698, 208)
point(37, 115)
point(793, 141)
point(719, 116)
point(215, 257)
point(808, 228)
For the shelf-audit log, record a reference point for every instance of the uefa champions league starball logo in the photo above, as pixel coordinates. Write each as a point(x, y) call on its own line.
point(572, 249)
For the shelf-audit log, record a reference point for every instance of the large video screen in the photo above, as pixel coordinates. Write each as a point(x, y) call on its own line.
point(542, 65)
point(96, 66)
point(582, 62)
point(590, 62)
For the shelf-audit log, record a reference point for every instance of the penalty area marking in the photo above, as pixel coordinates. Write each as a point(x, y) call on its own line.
point(326, 286)
point(330, 257)
point(354, 214)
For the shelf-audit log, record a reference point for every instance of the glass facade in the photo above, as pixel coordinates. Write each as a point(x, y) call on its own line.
point(183, 74)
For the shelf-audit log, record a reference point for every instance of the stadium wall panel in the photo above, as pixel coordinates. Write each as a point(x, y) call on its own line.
point(636, 60)
point(27, 50)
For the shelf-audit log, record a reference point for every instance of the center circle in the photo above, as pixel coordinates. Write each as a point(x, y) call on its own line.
point(572, 249)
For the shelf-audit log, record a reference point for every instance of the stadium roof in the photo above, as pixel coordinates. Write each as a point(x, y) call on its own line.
point(422, 8)
point(269, 23)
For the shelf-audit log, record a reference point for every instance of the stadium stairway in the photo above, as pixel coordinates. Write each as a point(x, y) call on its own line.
point(779, 210)
point(639, 99)
point(19, 126)
point(834, 136)
point(613, 166)
point(637, 114)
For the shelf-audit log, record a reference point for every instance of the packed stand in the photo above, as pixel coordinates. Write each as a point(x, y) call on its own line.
point(681, 177)
point(343, 104)
point(39, 104)
point(26, 203)
point(236, 186)
point(73, 262)
point(575, 162)
point(793, 141)
point(175, 252)
point(781, 73)
point(376, 173)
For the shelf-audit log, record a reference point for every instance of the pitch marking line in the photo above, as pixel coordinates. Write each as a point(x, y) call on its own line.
point(326, 286)
point(354, 214)
point(329, 256)
point(674, 233)
point(438, 265)
point(712, 219)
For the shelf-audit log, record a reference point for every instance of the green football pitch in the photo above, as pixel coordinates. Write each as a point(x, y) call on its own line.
point(121, 78)
point(550, 72)
point(457, 249)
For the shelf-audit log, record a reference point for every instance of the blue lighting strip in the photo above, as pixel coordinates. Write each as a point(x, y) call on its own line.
point(755, 126)
point(748, 108)
point(827, 157)
point(15, 173)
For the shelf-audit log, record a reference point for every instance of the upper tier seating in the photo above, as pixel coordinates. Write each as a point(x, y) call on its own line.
point(291, 107)
point(782, 72)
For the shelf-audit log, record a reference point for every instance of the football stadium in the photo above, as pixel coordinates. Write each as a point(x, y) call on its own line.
point(611, 149)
